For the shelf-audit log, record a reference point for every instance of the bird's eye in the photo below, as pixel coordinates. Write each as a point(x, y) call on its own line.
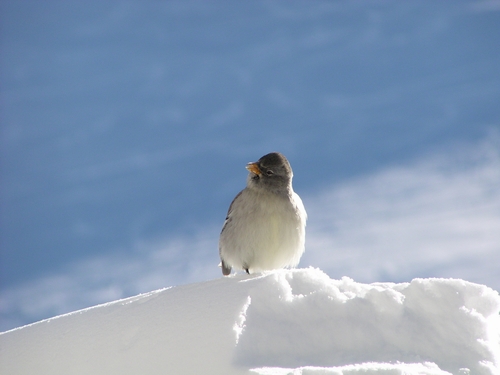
point(269, 172)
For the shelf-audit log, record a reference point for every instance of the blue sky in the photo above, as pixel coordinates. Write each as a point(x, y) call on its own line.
point(126, 127)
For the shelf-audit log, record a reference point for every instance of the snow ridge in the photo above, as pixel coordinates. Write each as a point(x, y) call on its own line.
point(284, 322)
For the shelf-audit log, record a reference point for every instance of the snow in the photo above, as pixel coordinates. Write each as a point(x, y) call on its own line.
point(285, 322)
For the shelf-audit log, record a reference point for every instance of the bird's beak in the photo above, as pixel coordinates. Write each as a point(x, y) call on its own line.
point(254, 168)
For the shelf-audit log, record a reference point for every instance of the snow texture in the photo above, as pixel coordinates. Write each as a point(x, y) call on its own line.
point(284, 322)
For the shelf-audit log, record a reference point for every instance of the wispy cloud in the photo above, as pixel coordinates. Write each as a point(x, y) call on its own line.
point(125, 272)
point(436, 217)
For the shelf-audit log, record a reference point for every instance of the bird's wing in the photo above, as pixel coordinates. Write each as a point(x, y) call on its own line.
point(229, 211)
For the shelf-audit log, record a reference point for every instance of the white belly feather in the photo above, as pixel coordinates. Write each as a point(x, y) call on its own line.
point(270, 235)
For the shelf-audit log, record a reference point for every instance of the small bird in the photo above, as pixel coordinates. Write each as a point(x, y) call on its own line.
point(265, 225)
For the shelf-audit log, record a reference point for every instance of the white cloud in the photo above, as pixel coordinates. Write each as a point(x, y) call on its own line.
point(439, 216)
point(150, 265)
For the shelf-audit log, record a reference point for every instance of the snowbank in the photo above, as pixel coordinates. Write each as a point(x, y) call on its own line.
point(285, 322)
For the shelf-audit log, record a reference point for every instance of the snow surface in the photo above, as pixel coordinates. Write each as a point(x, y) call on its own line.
point(285, 322)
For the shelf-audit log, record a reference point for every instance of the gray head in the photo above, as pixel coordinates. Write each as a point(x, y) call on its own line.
point(272, 172)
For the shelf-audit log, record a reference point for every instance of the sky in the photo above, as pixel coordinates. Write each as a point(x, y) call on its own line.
point(126, 126)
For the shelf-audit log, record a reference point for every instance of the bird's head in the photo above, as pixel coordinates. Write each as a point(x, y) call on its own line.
point(272, 172)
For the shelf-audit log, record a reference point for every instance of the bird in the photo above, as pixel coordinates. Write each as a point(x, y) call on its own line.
point(265, 225)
